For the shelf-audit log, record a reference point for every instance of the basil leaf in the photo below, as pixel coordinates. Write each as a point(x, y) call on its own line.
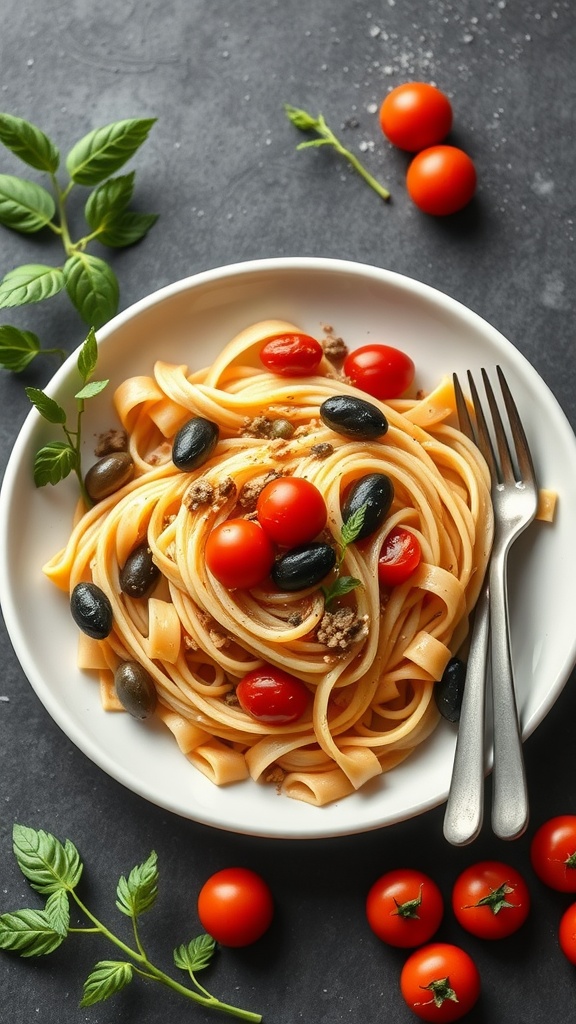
point(29, 143)
point(24, 206)
point(29, 933)
point(104, 150)
point(46, 406)
point(108, 200)
point(54, 462)
point(17, 348)
point(93, 388)
point(44, 861)
point(127, 229)
point(93, 288)
point(137, 893)
point(32, 282)
point(196, 955)
point(107, 978)
point(88, 356)
point(341, 586)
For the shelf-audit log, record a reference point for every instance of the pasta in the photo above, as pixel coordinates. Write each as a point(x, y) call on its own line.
point(371, 671)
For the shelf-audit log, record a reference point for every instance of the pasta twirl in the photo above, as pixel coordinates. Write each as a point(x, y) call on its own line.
point(370, 665)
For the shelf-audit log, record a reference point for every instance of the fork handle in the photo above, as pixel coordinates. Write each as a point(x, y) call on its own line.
point(509, 789)
point(465, 806)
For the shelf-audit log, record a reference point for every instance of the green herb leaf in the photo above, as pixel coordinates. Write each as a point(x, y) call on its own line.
point(29, 933)
point(24, 206)
point(54, 462)
point(17, 348)
point(46, 406)
point(88, 356)
point(196, 955)
point(58, 911)
point(342, 585)
point(44, 861)
point(29, 143)
point(92, 389)
point(353, 525)
point(93, 287)
point(108, 200)
point(137, 893)
point(301, 118)
point(127, 229)
point(104, 150)
point(32, 282)
point(107, 978)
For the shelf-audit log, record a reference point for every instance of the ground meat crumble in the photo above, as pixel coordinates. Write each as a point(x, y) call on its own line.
point(342, 628)
point(110, 442)
point(248, 495)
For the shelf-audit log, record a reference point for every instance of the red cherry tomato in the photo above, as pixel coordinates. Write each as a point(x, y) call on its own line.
point(491, 899)
point(400, 556)
point(291, 354)
point(441, 180)
point(567, 933)
point(239, 554)
point(553, 853)
point(291, 511)
point(271, 695)
point(235, 906)
point(379, 370)
point(416, 115)
point(440, 982)
point(404, 908)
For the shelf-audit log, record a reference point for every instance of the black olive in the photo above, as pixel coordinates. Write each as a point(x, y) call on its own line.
point(376, 492)
point(353, 417)
point(91, 610)
point(139, 572)
point(449, 691)
point(108, 475)
point(135, 689)
point(194, 443)
point(303, 566)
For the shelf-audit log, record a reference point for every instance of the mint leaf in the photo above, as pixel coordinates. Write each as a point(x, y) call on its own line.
point(107, 978)
point(24, 206)
point(353, 525)
point(29, 143)
point(196, 955)
point(57, 911)
point(29, 933)
point(54, 462)
point(127, 229)
point(92, 389)
point(108, 200)
point(104, 150)
point(17, 348)
point(342, 585)
point(44, 861)
point(88, 356)
point(137, 893)
point(93, 288)
point(32, 282)
point(46, 406)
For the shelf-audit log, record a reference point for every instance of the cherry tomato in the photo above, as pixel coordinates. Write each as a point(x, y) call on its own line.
point(441, 180)
point(567, 933)
point(416, 115)
point(440, 982)
point(553, 853)
point(239, 554)
point(271, 695)
point(400, 556)
point(235, 906)
point(404, 908)
point(379, 370)
point(490, 899)
point(291, 511)
point(291, 354)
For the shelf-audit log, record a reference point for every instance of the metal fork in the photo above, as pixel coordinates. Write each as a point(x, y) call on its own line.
point(515, 500)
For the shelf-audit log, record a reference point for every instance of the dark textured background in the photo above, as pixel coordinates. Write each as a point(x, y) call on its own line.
point(221, 169)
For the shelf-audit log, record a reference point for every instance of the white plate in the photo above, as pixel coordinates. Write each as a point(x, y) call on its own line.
point(189, 322)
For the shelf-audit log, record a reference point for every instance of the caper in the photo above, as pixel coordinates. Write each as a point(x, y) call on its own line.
point(108, 475)
point(194, 443)
point(375, 491)
point(353, 417)
point(449, 691)
point(91, 610)
point(139, 572)
point(281, 428)
point(303, 566)
point(135, 689)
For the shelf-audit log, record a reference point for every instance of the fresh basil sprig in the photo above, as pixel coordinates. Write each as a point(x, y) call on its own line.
point(344, 584)
point(305, 122)
point(28, 207)
point(54, 869)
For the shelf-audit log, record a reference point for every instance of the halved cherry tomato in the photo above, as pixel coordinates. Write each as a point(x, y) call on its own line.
point(271, 695)
point(553, 853)
point(404, 908)
point(291, 354)
point(380, 370)
point(239, 554)
point(416, 115)
point(441, 180)
point(567, 933)
point(235, 906)
point(491, 899)
point(440, 982)
point(400, 556)
point(291, 511)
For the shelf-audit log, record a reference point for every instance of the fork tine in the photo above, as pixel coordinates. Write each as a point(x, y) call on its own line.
point(484, 439)
point(523, 455)
point(507, 472)
point(464, 420)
